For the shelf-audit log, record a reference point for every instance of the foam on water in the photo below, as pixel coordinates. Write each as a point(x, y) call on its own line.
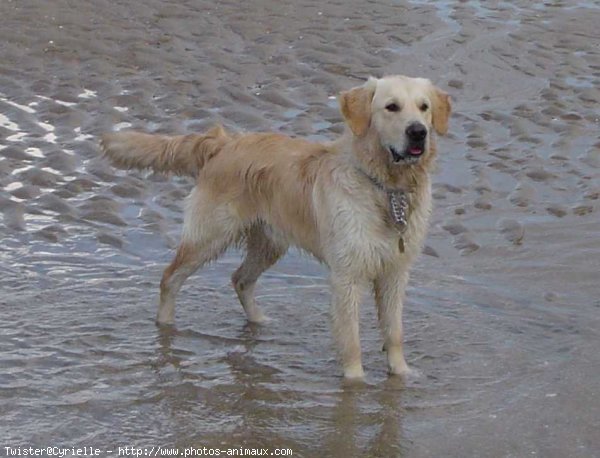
point(8, 124)
point(35, 152)
point(87, 94)
point(16, 137)
point(13, 186)
point(25, 108)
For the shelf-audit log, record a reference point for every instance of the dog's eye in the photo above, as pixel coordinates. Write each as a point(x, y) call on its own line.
point(393, 107)
point(424, 107)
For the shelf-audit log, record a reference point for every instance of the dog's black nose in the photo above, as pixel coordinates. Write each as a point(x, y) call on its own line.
point(416, 131)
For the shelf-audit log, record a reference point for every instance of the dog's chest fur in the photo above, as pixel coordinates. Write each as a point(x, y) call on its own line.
point(358, 230)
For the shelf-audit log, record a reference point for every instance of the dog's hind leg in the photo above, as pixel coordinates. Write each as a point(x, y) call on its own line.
point(208, 230)
point(188, 259)
point(262, 252)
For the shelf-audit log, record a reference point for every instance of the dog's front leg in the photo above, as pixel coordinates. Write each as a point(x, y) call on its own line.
point(345, 305)
point(389, 294)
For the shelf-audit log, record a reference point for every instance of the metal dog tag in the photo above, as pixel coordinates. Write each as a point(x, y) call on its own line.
point(401, 245)
point(398, 209)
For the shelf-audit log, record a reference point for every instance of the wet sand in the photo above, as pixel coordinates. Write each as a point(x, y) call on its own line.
point(503, 309)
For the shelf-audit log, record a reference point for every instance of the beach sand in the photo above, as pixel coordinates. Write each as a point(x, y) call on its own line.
point(502, 315)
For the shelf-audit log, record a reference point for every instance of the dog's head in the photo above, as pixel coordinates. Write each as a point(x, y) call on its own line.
point(398, 114)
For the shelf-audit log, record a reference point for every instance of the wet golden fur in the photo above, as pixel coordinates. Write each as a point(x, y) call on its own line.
point(271, 191)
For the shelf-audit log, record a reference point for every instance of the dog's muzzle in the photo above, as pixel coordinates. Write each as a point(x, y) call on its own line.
point(416, 138)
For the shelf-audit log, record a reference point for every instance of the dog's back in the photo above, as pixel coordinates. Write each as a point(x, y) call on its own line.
point(265, 177)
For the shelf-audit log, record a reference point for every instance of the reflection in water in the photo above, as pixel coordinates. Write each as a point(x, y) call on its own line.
point(365, 419)
point(164, 349)
point(389, 440)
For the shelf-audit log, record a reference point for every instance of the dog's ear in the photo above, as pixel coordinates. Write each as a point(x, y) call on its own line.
point(355, 106)
point(440, 110)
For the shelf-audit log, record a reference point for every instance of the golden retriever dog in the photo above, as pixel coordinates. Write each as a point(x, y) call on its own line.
point(359, 204)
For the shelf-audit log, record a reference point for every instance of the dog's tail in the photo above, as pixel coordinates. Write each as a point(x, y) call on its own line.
point(181, 155)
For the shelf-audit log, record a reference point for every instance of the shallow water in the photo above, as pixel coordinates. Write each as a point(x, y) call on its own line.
point(502, 312)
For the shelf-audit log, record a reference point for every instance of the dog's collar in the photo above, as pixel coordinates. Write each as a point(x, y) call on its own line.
point(397, 202)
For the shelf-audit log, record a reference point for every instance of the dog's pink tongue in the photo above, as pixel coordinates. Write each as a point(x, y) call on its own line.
point(415, 151)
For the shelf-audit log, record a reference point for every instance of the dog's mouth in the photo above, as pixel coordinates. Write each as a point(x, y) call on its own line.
point(411, 153)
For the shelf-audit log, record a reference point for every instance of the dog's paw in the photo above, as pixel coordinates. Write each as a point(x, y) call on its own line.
point(397, 365)
point(164, 324)
point(405, 372)
point(396, 362)
point(164, 318)
point(259, 318)
point(354, 372)
point(402, 370)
